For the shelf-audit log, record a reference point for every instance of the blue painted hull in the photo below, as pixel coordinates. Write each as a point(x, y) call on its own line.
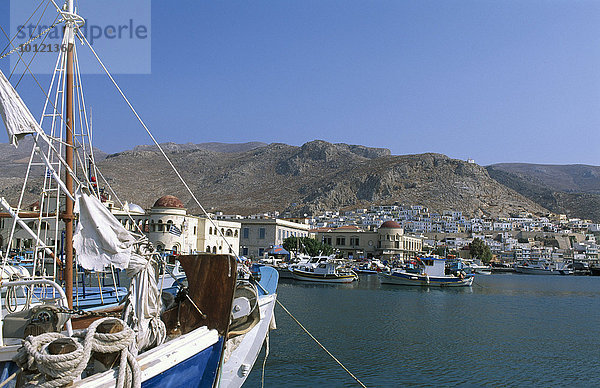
point(411, 279)
point(199, 370)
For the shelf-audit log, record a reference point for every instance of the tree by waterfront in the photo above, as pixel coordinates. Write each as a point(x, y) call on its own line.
point(307, 245)
point(480, 250)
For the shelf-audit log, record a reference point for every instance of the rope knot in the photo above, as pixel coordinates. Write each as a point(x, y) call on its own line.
point(61, 369)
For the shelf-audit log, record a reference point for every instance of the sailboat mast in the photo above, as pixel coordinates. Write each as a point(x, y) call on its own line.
point(68, 214)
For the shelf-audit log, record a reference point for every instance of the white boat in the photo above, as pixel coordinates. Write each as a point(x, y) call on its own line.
point(538, 267)
point(429, 272)
point(373, 266)
point(323, 269)
point(253, 318)
point(477, 267)
point(175, 345)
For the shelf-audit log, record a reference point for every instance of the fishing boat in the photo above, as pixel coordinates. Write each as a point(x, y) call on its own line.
point(428, 272)
point(323, 269)
point(371, 267)
point(538, 267)
point(148, 341)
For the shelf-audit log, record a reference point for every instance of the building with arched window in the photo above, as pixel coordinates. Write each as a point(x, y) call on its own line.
point(170, 228)
point(388, 241)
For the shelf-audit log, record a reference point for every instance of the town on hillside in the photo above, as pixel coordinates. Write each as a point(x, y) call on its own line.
point(385, 232)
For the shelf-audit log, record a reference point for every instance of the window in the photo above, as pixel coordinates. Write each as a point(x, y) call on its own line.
point(246, 233)
point(327, 240)
point(261, 233)
point(245, 251)
point(354, 241)
point(208, 248)
point(210, 230)
point(194, 230)
point(340, 241)
point(261, 251)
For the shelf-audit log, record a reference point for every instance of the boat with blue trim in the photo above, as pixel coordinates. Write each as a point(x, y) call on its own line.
point(323, 269)
point(427, 272)
point(153, 339)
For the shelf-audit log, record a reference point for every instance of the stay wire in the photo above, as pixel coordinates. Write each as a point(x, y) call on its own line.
point(321, 345)
point(31, 40)
point(143, 124)
point(20, 29)
point(35, 53)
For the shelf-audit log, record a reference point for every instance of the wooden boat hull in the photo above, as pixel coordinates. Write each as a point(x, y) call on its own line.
point(410, 279)
point(323, 278)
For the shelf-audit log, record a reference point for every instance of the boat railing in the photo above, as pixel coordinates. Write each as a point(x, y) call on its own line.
point(17, 283)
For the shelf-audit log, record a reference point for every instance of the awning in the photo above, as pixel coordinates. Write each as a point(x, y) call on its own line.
point(278, 250)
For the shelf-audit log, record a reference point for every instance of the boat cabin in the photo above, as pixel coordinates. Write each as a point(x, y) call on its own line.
point(434, 266)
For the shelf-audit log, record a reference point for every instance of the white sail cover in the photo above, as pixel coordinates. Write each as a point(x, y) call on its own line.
point(143, 307)
point(17, 118)
point(100, 239)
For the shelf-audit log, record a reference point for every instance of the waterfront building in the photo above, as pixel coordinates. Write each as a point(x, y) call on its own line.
point(387, 241)
point(219, 236)
point(258, 235)
point(23, 241)
point(169, 228)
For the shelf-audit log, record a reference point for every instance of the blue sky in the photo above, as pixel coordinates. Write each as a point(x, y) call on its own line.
point(496, 81)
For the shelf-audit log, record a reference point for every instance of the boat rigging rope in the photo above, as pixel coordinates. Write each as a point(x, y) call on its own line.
point(62, 369)
point(47, 30)
point(189, 190)
point(321, 345)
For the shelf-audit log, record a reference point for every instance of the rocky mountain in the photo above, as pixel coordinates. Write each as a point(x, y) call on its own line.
point(211, 146)
point(570, 189)
point(314, 177)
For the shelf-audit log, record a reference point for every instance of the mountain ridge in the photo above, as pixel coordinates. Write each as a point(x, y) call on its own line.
point(253, 177)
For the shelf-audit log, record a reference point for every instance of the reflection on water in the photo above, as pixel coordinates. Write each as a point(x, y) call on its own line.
point(506, 330)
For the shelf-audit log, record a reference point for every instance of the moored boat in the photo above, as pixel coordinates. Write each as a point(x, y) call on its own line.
point(370, 267)
point(253, 318)
point(323, 269)
point(172, 343)
point(429, 272)
point(539, 267)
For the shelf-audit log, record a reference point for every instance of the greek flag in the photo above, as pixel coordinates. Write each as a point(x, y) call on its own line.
point(175, 230)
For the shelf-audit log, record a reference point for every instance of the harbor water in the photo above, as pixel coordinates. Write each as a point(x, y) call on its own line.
point(506, 330)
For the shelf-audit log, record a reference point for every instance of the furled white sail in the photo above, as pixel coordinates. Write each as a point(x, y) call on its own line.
point(100, 239)
point(17, 118)
point(143, 307)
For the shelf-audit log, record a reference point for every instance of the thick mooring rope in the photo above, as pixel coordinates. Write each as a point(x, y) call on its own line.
point(321, 345)
point(62, 369)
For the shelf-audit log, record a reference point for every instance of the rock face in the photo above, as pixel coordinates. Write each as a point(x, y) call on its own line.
point(314, 177)
point(570, 189)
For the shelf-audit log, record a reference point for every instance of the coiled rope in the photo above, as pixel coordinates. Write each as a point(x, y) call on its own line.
point(321, 345)
point(62, 369)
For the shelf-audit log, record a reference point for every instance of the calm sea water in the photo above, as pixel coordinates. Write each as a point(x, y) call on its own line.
point(507, 330)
